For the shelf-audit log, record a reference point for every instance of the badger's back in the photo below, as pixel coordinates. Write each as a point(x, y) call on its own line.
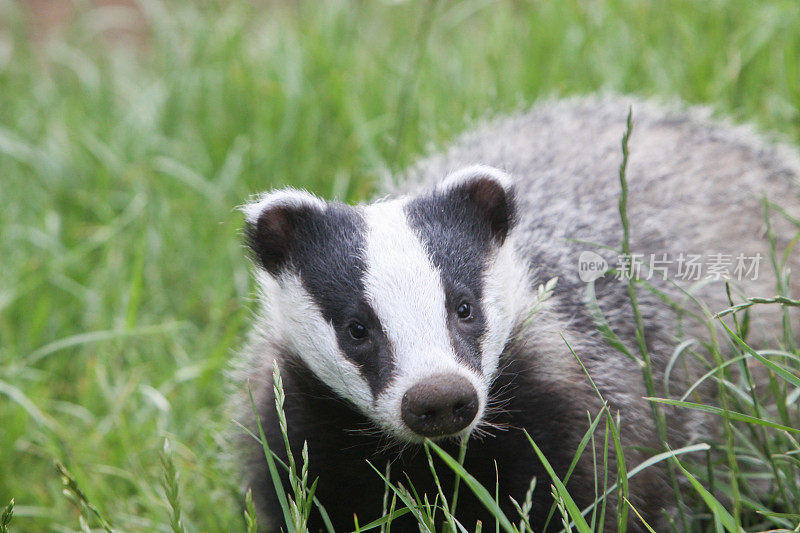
point(696, 184)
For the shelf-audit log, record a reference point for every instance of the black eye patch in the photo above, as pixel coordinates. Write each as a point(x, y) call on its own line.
point(329, 257)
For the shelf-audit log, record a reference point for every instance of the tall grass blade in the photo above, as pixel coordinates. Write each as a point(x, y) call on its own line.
point(273, 470)
point(74, 493)
point(639, 516)
point(569, 504)
point(480, 492)
point(5, 517)
point(786, 375)
point(250, 518)
point(171, 485)
point(733, 415)
point(717, 509)
point(411, 504)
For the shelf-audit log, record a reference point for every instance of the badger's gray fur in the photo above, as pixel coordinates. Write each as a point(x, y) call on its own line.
point(360, 305)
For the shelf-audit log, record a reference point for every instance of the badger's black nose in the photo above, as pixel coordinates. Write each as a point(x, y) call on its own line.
point(440, 405)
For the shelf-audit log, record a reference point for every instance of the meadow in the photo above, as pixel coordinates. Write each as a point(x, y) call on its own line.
point(124, 285)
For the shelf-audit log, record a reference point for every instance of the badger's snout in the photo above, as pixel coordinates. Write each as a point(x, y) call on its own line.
point(440, 405)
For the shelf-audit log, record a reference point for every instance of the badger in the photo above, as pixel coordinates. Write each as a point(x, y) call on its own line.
point(420, 315)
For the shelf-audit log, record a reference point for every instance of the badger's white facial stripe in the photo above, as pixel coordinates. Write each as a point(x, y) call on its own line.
point(405, 290)
point(293, 311)
point(506, 298)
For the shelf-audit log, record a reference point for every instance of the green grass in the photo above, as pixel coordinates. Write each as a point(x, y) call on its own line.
point(123, 284)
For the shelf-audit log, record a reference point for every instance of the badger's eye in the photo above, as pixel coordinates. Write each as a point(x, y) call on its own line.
point(357, 330)
point(464, 311)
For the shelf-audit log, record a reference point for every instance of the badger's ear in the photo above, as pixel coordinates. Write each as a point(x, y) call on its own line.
point(490, 191)
point(272, 222)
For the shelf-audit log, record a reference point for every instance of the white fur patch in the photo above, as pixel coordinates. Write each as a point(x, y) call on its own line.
point(467, 174)
point(295, 316)
point(507, 296)
point(281, 197)
point(405, 291)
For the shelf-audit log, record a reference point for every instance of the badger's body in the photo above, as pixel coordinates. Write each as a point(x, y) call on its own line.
point(441, 277)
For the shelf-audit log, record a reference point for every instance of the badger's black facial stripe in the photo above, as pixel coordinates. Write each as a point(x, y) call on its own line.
point(327, 253)
point(465, 335)
point(458, 239)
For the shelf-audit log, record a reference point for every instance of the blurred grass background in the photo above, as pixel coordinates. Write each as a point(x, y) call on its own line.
point(130, 130)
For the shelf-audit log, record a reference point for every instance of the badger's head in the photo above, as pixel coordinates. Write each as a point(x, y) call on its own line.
point(403, 306)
